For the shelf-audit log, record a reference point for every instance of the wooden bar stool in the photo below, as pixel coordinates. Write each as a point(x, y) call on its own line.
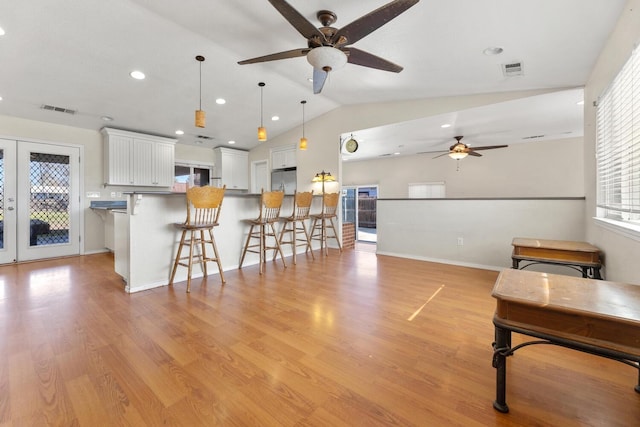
point(324, 220)
point(203, 210)
point(270, 204)
point(296, 223)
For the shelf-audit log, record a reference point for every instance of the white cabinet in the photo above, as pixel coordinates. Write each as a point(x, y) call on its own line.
point(283, 157)
point(138, 159)
point(232, 167)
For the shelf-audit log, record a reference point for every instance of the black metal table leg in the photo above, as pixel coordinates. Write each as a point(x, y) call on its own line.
point(637, 388)
point(596, 273)
point(514, 263)
point(501, 347)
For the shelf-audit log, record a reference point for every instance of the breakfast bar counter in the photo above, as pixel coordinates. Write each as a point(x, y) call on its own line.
point(146, 240)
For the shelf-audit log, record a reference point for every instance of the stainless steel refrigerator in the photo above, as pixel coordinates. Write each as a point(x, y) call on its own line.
point(284, 179)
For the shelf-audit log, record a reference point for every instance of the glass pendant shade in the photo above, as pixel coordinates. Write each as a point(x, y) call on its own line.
point(201, 118)
point(326, 58)
point(457, 155)
point(303, 143)
point(262, 134)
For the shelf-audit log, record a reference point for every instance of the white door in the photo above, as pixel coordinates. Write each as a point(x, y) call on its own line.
point(7, 201)
point(260, 176)
point(40, 201)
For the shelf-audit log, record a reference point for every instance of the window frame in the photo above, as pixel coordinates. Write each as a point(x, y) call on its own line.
point(617, 148)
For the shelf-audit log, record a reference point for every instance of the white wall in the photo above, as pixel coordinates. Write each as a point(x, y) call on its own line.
point(622, 252)
point(324, 132)
point(430, 229)
point(539, 169)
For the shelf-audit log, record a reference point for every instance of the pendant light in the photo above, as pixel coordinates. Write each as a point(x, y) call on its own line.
point(262, 132)
point(303, 140)
point(201, 116)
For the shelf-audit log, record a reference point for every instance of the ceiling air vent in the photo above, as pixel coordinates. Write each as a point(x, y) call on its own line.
point(204, 137)
point(512, 69)
point(58, 109)
point(385, 155)
point(533, 137)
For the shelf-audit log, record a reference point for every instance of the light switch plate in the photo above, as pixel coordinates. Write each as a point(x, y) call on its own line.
point(93, 194)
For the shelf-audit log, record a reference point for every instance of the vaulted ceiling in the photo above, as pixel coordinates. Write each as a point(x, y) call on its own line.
point(77, 55)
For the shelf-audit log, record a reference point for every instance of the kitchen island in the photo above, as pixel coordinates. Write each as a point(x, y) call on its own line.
point(146, 240)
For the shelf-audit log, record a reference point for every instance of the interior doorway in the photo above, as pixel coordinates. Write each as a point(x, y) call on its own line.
point(359, 206)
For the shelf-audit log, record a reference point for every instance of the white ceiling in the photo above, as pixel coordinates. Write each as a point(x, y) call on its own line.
point(77, 54)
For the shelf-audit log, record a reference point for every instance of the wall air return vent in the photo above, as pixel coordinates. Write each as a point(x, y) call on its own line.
point(513, 69)
point(58, 109)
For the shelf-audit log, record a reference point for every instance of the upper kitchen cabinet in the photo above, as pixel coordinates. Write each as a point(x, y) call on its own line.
point(232, 167)
point(137, 159)
point(283, 157)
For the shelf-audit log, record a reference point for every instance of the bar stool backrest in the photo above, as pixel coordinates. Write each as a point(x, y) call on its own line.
point(270, 204)
point(204, 205)
point(302, 205)
point(330, 203)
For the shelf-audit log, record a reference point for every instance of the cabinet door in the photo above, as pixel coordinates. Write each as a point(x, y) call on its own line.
point(240, 172)
point(143, 162)
point(278, 160)
point(119, 153)
point(290, 158)
point(163, 163)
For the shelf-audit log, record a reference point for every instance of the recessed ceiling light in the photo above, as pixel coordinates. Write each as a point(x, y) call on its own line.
point(1, 32)
point(275, 118)
point(580, 103)
point(446, 125)
point(310, 79)
point(221, 101)
point(396, 153)
point(179, 132)
point(232, 142)
point(107, 118)
point(493, 50)
point(138, 75)
point(0, 98)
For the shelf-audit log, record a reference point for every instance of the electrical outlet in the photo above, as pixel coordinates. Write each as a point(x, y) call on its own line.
point(93, 194)
point(113, 194)
point(460, 241)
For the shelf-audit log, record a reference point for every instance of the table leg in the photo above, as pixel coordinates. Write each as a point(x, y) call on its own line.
point(637, 388)
point(596, 273)
point(515, 263)
point(585, 272)
point(502, 344)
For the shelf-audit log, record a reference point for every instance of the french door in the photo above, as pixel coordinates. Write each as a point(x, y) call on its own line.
point(39, 201)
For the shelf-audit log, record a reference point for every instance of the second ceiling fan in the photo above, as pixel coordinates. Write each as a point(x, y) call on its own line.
point(328, 48)
point(460, 150)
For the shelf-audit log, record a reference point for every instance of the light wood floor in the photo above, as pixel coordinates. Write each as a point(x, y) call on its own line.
point(324, 343)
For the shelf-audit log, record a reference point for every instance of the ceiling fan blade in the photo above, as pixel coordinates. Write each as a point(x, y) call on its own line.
point(319, 77)
point(299, 22)
point(274, 56)
point(489, 147)
point(370, 22)
point(443, 154)
point(473, 153)
point(360, 57)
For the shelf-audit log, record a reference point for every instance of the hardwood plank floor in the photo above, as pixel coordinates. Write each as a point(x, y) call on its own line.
point(348, 339)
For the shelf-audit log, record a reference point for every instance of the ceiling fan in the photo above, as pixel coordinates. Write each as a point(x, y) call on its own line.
point(460, 150)
point(328, 47)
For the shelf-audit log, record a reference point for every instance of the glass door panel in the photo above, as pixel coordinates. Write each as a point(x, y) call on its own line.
point(7, 201)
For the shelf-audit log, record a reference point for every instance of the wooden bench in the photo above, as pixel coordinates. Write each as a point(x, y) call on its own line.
point(593, 316)
point(580, 256)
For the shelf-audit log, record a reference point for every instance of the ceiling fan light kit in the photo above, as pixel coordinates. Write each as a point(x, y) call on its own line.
point(327, 58)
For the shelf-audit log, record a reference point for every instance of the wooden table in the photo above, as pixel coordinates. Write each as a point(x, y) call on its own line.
point(593, 316)
point(581, 256)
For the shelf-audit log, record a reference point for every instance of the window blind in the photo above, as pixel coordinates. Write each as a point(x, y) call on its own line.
point(618, 145)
